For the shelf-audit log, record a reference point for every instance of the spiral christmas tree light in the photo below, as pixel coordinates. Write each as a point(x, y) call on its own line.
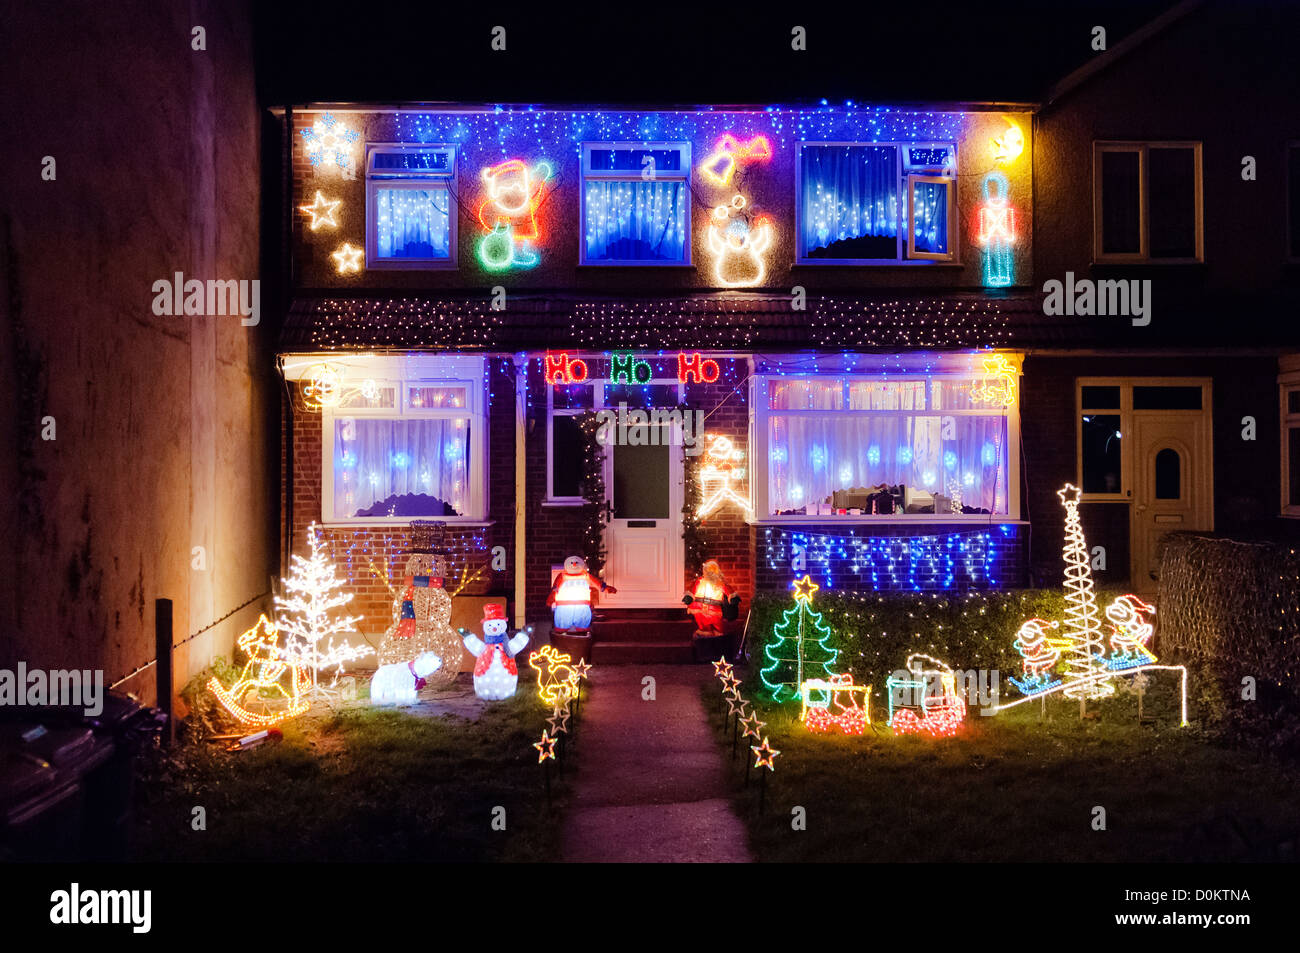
point(1082, 627)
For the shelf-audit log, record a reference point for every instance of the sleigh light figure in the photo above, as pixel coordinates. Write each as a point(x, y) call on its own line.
point(831, 705)
point(925, 713)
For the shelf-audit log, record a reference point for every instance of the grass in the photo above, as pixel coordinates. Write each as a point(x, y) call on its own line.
point(1012, 788)
point(361, 784)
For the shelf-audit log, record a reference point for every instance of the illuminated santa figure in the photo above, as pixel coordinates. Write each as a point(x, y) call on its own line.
point(570, 598)
point(508, 213)
point(720, 474)
point(712, 601)
point(495, 671)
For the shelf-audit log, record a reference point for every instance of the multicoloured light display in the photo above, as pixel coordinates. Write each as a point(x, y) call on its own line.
point(765, 755)
point(262, 673)
point(1130, 633)
point(508, 214)
point(562, 370)
point(1040, 655)
point(926, 713)
point(799, 644)
point(997, 231)
point(830, 705)
point(731, 153)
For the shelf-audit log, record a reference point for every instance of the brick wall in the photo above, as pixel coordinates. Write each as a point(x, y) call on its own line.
point(357, 549)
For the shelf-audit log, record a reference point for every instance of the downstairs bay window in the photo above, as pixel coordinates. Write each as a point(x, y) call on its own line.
point(397, 448)
point(899, 446)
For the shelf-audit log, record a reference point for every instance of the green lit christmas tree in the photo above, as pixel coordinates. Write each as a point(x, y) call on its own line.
point(799, 650)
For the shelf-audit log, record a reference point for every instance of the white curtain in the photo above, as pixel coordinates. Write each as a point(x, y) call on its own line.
point(412, 467)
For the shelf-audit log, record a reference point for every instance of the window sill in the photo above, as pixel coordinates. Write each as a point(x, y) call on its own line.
point(867, 263)
point(560, 503)
point(451, 521)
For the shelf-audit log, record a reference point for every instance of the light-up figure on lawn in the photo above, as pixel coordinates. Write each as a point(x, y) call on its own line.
point(1039, 656)
point(1082, 629)
point(495, 673)
point(570, 598)
point(1130, 633)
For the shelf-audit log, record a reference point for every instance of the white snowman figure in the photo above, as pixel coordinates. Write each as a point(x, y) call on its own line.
point(495, 671)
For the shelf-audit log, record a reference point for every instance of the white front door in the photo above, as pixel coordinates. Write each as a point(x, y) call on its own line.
point(1172, 486)
point(643, 541)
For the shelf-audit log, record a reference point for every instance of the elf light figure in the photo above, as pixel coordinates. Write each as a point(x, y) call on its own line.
point(997, 231)
point(712, 601)
point(570, 598)
point(508, 215)
point(720, 472)
point(1130, 633)
point(1040, 655)
point(1082, 625)
point(495, 673)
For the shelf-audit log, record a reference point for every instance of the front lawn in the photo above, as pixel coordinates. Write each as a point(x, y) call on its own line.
point(1012, 788)
point(358, 784)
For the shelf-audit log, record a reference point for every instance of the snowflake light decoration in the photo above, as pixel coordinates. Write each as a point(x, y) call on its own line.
point(330, 141)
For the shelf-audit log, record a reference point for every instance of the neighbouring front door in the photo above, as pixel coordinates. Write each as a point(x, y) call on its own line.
point(1171, 487)
point(643, 541)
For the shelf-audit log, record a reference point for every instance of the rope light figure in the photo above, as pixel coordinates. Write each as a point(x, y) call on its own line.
point(720, 473)
point(508, 214)
point(1040, 655)
point(1130, 633)
point(729, 153)
point(830, 705)
point(998, 385)
point(938, 716)
point(1082, 629)
point(997, 231)
point(262, 672)
point(556, 680)
point(739, 244)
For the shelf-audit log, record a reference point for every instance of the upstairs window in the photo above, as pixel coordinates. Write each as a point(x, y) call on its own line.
point(1147, 202)
point(636, 203)
point(1293, 201)
point(410, 214)
point(873, 203)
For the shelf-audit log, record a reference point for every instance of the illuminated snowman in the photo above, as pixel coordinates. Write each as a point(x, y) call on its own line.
point(495, 671)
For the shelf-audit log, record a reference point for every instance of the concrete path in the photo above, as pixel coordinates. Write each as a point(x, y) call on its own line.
point(651, 782)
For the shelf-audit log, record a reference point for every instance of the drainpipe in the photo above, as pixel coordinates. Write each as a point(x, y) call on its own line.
point(521, 499)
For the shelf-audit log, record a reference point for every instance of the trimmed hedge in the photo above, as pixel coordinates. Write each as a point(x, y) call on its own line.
point(876, 631)
point(1233, 603)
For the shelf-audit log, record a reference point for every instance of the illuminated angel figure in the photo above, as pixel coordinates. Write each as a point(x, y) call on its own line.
point(738, 244)
point(1040, 655)
point(719, 474)
point(1130, 632)
point(508, 214)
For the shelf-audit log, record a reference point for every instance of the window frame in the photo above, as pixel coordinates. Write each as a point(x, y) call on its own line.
point(1126, 414)
point(597, 403)
point(410, 181)
point(913, 179)
point(760, 474)
point(904, 172)
point(1143, 255)
point(585, 172)
point(1288, 382)
point(458, 371)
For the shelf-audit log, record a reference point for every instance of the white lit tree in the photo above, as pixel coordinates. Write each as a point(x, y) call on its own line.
point(1082, 629)
point(306, 615)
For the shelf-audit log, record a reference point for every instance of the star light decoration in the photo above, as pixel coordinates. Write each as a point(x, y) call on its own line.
point(764, 755)
point(722, 668)
point(736, 706)
point(322, 212)
point(545, 747)
point(347, 259)
point(752, 727)
point(730, 684)
point(559, 720)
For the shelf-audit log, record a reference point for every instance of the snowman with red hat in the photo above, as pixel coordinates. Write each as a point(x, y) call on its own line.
point(495, 672)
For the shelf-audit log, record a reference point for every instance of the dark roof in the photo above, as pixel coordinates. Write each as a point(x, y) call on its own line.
point(738, 321)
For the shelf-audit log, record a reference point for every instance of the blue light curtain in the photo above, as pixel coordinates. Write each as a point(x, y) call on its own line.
point(810, 457)
point(930, 212)
point(847, 193)
point(636, 221)
point(405, 467)
point(413, 223)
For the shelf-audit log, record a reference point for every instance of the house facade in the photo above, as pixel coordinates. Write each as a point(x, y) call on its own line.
point(866, 342)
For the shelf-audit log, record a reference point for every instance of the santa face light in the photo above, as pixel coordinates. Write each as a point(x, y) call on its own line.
point(495, 673)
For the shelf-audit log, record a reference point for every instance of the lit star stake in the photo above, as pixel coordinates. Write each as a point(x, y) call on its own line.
point(321, 212)
point(559, 721)
point(731, 684)
point(347, 259)
point(581, 668)
point(545, 748)
point(722, 668)
point(764, 755)
point(752, 726)
point(804, 589)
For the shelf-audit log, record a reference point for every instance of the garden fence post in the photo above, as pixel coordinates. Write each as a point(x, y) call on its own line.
point(162, 615)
